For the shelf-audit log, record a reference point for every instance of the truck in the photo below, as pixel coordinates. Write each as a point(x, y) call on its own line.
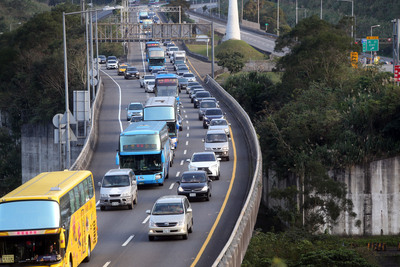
point(178, 56)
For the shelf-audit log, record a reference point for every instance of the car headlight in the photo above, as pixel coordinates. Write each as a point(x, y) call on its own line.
point(180, 223)
point(205, 188)
point(103, 195)
point(205, 118)
point(152, 223)
point(208, 148)
point(180, 189)
point(126, 194)
point(214, 166)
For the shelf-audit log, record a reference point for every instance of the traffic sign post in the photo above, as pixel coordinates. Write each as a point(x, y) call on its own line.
point(354, 59)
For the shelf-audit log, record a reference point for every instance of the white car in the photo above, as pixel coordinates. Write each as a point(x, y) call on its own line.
point(219, 124)
point(189, 76)
point(146, 78)
point(112, 64)
point(171, 215)
point(149, 86)
point(118, 188)
point(206, 161)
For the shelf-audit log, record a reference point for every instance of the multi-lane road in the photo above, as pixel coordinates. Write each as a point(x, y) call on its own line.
point(123, 239)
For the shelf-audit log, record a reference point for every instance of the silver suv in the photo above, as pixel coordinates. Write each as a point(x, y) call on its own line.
point(170, 216)
point(218, 142)
point(118, 188)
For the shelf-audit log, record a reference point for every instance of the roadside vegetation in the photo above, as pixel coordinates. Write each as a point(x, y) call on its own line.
point(321, 115)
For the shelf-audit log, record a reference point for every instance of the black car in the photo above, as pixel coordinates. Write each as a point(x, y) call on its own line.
point(212, 113)
point(199, 96)
point(195, 184)
point(182, 82)
point(131, 72)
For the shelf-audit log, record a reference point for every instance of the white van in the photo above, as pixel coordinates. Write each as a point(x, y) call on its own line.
point(218, 142)
point(118, 188)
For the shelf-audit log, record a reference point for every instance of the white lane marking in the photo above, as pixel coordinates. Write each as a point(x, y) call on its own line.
point(171, 186)
point(187, 135)
point(185, 116)
point(187, 142)
point(97, 203)
point(177, 174)
point(187, 121)
point(107, 263)
point(188, 128)
point(184, 152)
point(182, 161)
point(128, 240)
point(120, 99)
point(145, 220)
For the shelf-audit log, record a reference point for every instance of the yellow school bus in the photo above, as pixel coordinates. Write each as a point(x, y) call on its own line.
point(49, 221)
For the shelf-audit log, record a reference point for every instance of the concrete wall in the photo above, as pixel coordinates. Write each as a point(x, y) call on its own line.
point(374, 189)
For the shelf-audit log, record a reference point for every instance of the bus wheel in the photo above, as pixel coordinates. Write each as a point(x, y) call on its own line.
point(89, 252)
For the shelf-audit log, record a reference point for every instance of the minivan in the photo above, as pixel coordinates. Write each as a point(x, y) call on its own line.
point(218, 142)
point(118, 188)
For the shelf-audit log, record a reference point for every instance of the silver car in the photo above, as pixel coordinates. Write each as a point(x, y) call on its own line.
point(146, 78)
point(218, 142)
point(206, 161)
point(134, 109)
point(118, 188)
point(170, 216)
point(220, 124)
point(204, 105)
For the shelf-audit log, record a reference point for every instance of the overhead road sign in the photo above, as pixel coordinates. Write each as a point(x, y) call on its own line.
point(372, 44)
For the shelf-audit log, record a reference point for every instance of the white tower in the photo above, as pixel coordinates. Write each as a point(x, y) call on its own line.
point(232, 26)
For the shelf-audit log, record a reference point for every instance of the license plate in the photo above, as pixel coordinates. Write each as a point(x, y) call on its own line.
point(165, 231)
point(192, 194)
point(114, 203)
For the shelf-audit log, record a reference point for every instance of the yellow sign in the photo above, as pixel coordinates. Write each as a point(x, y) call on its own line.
point(354, 59)
point(7, 258)
point(372, 37)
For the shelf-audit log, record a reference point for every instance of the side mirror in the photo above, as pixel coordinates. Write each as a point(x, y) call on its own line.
point(189, 210)
point(148, 211)
point(188, 160)
point(99, 184)
point(178, 182)
point(202, 140)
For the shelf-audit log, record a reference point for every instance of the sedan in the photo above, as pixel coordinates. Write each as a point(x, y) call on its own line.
point(199, 96)
point(102, 59)
point(111, 64)
point(204, 105)
point(171, 215)
point(195, 184)
point(122, 68)
point(205, 161)
point(190, 77)
point(212, 113)
point(131, 72)
point(220, 124)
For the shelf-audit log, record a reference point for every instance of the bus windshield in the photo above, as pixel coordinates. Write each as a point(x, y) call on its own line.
point(142, 164)
point(156, 61)
point(156, 54)
point(29, 215)
point(159, 113)
point(140, 142)
point(167, 90)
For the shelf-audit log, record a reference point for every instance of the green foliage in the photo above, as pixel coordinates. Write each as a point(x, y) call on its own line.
point(174, 16)
point(298, 248)
point(233, 61)
point(10, 161)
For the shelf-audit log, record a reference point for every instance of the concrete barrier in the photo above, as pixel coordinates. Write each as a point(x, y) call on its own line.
point(84, 158)
point(235, 249)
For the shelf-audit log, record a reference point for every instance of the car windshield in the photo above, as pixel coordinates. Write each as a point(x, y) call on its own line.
point(135, 106)
point(151, 83)
point(208, 104)
point(167, 208)
point(132, 69)
point(115, 181)
point(202, 94)
point(193, 178)
point(216, 138)
point(149, 77)
point(203, 157)
point(112, 61)
point(213, 112)
point(188, 75)
point(218, 122)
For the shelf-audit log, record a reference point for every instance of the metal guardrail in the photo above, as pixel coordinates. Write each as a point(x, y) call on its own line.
point(235, 249)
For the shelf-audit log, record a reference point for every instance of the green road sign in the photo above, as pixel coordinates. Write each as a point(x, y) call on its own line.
point(372, 43)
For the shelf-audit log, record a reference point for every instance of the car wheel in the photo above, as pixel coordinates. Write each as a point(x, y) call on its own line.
point(151, 238)
point(141, 86)
point(227, 158)
point(204, 126)
point(208, 197)
point(130, 205)
point(200, 118)
point(185, 236)
point(217, 177)
point(102, 208)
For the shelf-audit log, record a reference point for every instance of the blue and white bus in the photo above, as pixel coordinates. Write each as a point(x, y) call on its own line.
point(164, 108)
point(155, 57)
point(145, 148)
point(167, 85)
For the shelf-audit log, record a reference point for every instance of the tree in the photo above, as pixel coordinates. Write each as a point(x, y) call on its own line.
point(233, 61)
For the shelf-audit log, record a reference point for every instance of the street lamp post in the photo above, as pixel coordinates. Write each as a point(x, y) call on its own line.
point(277, 20)
point(373, 26)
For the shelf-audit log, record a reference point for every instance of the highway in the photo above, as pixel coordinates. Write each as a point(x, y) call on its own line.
point(123, 239)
